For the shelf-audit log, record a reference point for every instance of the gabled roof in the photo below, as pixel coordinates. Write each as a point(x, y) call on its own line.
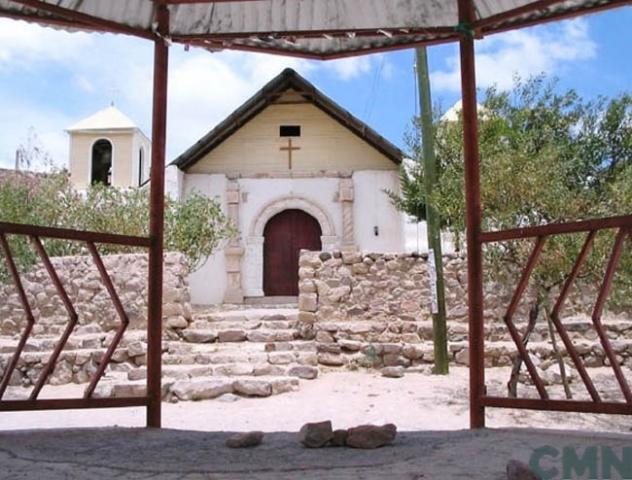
point(288, 79)
point(110, 118)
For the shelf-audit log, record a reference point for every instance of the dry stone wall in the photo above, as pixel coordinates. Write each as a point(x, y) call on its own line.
point(96, 312)
point(372, 310)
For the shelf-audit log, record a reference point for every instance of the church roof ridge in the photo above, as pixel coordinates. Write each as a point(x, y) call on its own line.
point(109, 118)
point(287, 79)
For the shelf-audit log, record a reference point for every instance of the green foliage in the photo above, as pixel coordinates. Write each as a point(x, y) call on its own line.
point(546, 156)
point(195, 226)
point(412, 199)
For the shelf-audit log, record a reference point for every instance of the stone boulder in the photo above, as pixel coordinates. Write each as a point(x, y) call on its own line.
point(316, 434)
point(393, 372)
point(253, 388)
point(339, 439)
point(244, 440)
point(232, 336)
point(371, 436)
point(201, 389)
point(519, 471)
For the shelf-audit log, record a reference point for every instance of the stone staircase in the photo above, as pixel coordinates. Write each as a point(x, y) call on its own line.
point(254, 352)
point(258, 351)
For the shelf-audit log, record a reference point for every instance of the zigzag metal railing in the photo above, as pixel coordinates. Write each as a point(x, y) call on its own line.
point(623, 226)
point(90, 239)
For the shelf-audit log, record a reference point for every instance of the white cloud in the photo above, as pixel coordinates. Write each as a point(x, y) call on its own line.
point(204, 87)
point(523, 52)
point(24, 44)
point(352, 67)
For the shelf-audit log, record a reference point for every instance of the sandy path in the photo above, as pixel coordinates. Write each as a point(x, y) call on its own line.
point(415, 402)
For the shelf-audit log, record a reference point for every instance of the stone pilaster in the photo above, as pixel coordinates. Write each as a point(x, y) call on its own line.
point(346, 197)
point(233, 251)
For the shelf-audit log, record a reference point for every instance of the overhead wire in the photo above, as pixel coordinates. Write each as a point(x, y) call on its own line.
point(370, 103)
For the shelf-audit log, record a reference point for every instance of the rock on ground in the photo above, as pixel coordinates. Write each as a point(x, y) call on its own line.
point(253, 388)
point(371, 436)
point(393, 372)
point(316, 434)
point(244, 440)
point(200, 390)
point(519, 471)
point(339, 439)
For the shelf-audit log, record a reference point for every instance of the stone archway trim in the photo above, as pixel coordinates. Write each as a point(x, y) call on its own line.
point(292, 202)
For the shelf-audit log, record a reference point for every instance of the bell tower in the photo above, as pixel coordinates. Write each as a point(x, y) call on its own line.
point(108, 148)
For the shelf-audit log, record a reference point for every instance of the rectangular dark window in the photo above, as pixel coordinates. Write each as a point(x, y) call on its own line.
point(290, 131)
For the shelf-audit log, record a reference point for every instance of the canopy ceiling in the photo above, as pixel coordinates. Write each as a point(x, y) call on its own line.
point(308, 28)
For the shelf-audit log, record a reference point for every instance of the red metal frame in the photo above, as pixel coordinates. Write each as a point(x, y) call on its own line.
point(623, 226)
point(47, 13)
point(156, 219)
point(472, 187)
point(90, 239)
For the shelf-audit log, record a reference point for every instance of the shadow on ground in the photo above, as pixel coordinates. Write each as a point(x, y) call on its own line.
point(179, 454)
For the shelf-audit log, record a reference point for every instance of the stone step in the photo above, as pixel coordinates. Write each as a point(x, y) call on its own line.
point(241, 356)
point(242, 325)
point(251, 314)
point(272, 302)
point(413, 331)
point(183, 347)
point(75, 342)
point(261, 335)
point(498, 353)
point(179, 372)
point(201, 389)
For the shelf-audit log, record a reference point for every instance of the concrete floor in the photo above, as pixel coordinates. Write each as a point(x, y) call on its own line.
point(178, 454)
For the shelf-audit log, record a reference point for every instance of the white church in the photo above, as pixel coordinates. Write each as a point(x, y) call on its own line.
point(290, 167)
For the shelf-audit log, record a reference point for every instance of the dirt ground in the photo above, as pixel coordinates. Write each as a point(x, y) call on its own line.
point(415, 402)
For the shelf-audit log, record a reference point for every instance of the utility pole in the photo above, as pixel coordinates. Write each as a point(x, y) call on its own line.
point(433, 226)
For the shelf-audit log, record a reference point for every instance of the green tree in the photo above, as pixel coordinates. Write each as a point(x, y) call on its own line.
point(546, 156)
point(195, 226)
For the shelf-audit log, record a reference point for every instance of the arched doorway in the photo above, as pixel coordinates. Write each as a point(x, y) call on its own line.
point(285, 235)
point(102, 162)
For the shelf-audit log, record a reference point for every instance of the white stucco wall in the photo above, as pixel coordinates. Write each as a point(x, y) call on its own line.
point(174, 182)
point(262, 198)
point(372, 208)
point(416, 236)
point(208, 283)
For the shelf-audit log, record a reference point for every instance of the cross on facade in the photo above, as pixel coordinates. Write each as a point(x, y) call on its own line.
point(289, 149)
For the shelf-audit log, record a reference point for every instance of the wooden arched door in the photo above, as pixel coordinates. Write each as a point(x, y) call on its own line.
point(285, 235)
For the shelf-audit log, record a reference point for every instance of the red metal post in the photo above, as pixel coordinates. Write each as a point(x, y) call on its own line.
point(467, 17)
point(156, 219)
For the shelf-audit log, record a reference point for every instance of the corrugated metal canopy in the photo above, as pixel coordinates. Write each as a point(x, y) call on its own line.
point(308, 28)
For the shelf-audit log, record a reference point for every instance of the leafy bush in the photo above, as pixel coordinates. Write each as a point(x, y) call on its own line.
point(547, 156)
point(195, 226)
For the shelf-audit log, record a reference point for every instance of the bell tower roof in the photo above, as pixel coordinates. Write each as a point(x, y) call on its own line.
point(110, 118)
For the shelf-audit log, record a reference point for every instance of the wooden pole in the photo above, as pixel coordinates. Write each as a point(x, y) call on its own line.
point(433, 227)
point(467, 17)
point(156, 220)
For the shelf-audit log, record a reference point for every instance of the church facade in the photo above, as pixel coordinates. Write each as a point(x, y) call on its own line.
point(293, 170)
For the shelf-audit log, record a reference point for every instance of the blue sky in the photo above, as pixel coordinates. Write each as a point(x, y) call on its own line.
point(50, 79)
